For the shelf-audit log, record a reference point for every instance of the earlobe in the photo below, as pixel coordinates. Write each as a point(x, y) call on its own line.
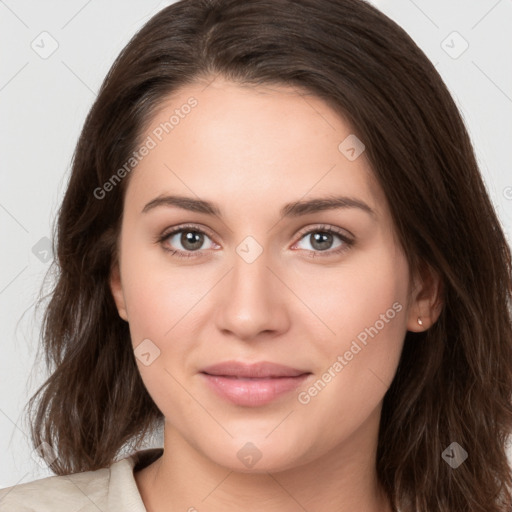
point(117, 291)
point(427, 301)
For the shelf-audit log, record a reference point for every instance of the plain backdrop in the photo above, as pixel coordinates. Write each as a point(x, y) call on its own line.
point(54, 56)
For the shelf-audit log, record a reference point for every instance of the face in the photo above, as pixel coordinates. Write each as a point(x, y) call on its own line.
point(251, 266)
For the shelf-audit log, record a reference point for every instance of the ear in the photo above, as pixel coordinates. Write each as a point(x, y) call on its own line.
point(117, 291)
point(426, 300)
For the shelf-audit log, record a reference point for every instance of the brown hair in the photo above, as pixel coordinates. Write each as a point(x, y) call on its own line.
point(453, 382)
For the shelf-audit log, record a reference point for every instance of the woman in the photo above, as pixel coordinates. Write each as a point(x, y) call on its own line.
point(276, 243)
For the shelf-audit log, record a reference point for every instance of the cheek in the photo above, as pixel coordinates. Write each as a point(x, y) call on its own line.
point(352, 297)
point(159, 306)
point(163, 302)
point(159, 296)
point(365, 309)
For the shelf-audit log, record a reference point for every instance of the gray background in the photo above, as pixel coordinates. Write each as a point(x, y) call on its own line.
point(45, 96)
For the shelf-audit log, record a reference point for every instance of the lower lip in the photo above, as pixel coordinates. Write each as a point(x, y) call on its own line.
point(253, 392)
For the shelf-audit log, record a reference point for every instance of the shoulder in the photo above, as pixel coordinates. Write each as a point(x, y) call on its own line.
point(70, 492)
point(109, 489)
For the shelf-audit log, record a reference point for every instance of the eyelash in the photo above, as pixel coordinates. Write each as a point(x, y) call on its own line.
point(347, 242)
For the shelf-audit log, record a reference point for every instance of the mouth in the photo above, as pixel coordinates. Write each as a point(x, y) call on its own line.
point(252, 385)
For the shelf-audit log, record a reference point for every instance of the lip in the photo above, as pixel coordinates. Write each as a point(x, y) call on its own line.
point(263, 369)
point(252, 385)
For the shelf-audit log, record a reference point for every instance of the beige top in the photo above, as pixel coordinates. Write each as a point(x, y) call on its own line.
point(111, 489)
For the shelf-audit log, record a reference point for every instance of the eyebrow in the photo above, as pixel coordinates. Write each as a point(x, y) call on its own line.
point(293, 209)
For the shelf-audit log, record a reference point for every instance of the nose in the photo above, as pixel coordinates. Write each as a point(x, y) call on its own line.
point(252, 300)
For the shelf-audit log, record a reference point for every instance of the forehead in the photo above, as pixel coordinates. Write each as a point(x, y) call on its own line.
point(260, 144)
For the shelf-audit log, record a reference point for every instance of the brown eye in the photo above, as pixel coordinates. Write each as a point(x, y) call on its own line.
point(324, 239)
point(191, 240)
point(321, 241)
point(183, 241)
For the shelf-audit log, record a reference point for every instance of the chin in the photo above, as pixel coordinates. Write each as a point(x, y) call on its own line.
point(249, 457)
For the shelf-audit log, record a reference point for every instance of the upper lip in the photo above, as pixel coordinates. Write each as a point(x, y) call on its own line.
point(262, 369)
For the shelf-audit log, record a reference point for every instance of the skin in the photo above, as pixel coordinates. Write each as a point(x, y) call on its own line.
point(250, 150)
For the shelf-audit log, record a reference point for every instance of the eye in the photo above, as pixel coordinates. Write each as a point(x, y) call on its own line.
point(325, 239)
point(183, 241)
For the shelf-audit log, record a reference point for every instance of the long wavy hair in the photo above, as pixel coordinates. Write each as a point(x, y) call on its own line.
point(453, 382)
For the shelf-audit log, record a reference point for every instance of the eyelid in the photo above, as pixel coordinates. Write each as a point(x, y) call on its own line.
point(191, 226)
point(199, 228)
point(328, 228)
